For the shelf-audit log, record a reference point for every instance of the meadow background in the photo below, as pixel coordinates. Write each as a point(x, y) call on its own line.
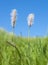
point(34, 52)
point(23, 51)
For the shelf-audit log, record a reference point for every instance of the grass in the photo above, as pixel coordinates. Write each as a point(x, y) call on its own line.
point(34, 52)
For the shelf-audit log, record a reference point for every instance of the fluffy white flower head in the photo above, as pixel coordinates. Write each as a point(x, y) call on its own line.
point(13, 17)
point(30, 19)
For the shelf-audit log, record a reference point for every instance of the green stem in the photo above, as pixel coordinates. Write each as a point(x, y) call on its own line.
point(28, 33)
point(13, 45)
point(12, 33)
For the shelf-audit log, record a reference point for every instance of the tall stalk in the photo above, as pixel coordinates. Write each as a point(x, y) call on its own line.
point(28, 33)
point(13, 20)
point(12, 32)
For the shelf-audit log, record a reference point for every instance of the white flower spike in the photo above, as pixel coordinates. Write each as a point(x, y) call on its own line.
point(30, 19)
point(13, 17)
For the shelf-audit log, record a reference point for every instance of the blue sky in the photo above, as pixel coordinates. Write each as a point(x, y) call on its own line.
point(25, 7)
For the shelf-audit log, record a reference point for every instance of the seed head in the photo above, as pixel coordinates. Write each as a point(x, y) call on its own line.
point(13, 17)
point(30, 19)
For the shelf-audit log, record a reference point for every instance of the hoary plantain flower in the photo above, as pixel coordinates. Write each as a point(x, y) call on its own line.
point(13, 17)
point(30, 19)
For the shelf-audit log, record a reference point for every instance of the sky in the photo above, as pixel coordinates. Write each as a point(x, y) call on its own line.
point(24, 7)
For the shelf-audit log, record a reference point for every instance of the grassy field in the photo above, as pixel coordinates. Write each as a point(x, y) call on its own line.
point(24, 52)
